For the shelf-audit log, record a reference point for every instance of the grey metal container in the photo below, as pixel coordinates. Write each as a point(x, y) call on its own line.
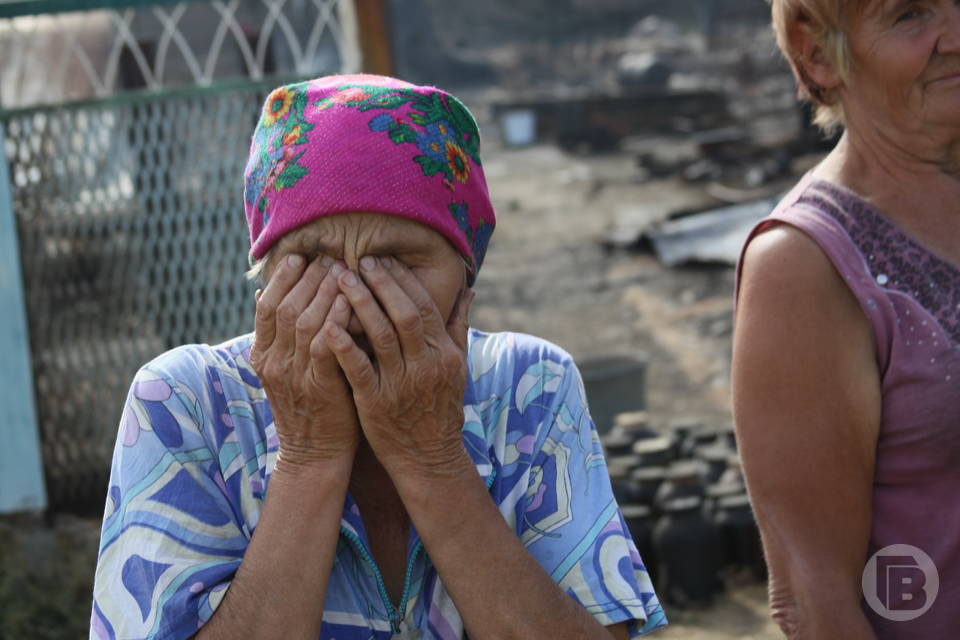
point(614, 384)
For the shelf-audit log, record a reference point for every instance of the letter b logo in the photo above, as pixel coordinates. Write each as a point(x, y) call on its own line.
point(900, 582)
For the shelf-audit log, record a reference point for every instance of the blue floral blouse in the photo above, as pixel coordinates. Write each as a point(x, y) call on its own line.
point(193, 459)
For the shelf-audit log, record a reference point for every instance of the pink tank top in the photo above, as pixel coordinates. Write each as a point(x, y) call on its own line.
point(911, 298)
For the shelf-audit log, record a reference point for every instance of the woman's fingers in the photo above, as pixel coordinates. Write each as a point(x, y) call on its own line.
point(290, 309)
point(376, 325)
point(286, 276)
point(312, 318)
point(340, 311)
point(433, 323)
point(323, 363)
point(354, 363)
point(459, 323)
point(402, 311)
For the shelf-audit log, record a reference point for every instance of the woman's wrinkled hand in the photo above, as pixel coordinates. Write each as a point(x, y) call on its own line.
point(409, 397)
point(312, 408)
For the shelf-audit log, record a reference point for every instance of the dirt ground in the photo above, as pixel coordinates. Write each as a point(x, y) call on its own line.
point(548, 273)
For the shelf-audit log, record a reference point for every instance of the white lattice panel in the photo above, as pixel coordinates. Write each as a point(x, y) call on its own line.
point(55, 58)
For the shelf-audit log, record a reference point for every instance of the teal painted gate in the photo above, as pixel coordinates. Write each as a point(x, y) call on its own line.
point(125, 133)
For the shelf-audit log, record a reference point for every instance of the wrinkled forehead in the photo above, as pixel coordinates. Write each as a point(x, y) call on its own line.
point(343, 234)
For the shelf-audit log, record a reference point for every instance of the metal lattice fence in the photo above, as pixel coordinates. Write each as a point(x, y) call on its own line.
point(132, 238)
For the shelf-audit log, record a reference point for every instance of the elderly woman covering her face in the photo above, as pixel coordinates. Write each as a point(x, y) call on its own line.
point(847, 341)
point(364, 465)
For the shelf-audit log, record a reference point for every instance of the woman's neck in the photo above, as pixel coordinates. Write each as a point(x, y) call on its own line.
point(918, 188)
point(894, 176)
point(370, 484)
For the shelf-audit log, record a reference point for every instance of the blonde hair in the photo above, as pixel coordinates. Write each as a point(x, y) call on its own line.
point(258, 270)
point(828, 22)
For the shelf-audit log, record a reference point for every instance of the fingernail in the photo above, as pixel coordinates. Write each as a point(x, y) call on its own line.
point(332, 330)
point(367, 263)
point(386, 261)
point(257, 294)
point(326, 261)
point(294, 260)
point(336, 269)
point(340, 303)
point(349, 279)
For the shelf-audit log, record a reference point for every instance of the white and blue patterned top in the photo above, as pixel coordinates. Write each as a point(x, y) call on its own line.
point(193, 459)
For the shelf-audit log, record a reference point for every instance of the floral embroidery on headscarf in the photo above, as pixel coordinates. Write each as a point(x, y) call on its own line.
point(441, 128)
point(345, 96)
point(283, 126)
point(277, 105)
point(458, 162)
point(478, 238)
point(432, 141)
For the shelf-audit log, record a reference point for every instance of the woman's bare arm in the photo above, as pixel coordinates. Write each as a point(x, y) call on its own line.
point(411, 409)
point(499, 588)
point(279, 589)
point(807, 402)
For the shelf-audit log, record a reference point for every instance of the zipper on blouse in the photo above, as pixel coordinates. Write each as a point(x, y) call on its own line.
point(396, 615)
point(407, 579)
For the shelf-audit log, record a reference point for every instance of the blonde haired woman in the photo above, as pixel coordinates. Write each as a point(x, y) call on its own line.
point(847, 342)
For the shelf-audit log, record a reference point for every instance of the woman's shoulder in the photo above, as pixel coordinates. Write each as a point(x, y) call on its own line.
point(803, 251)
point(842, 222)
point(521, 370)
point(784, 271)
point(519, 388)
point(510, 351)
point(199, 366)
point(206, 396)
point(786, 254)
point(807, 243)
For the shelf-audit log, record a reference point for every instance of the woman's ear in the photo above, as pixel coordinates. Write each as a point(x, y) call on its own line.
point(815, 70)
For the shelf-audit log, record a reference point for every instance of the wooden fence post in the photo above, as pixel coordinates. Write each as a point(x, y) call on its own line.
point(373, 25)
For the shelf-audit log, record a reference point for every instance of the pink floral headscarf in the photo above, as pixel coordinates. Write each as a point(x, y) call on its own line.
point(367, 143)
